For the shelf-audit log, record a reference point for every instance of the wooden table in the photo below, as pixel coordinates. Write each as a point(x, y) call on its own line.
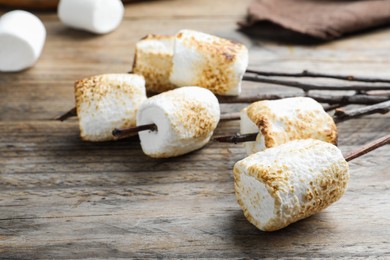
point(63, 198)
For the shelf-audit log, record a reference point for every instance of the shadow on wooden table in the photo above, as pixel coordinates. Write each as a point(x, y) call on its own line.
point(304, 232)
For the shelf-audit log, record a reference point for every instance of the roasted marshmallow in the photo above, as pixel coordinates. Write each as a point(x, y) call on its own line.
point(22, 36)
point(153, 60)
point(208, 61)
point(185, 118)
point(96, 16)
point(284, 184)
point(106, 102)
point(280, 121)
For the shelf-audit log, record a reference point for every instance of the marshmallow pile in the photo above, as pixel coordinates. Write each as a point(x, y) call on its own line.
point(106, 102)
point(280, 121)
point(284, 184)
point(191, 58)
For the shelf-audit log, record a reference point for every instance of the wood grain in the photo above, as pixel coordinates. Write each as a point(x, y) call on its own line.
point(64, 198)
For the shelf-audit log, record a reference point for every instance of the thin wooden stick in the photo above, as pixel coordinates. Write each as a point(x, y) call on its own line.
point(237, 138)
point(367, 148)
point(381, 108)
point(230, 116)
point(338, 117)
point(329, 99)
point(71, 113)
point(307, 87)
point(310, 74)
point(123, 133)
point(332, 107)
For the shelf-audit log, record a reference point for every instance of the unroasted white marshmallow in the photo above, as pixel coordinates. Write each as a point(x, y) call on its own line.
point(97, 16)
point(284, 184)
point(208, 61)
point(153, 60)
point(22, 36)
point(106, 102)
point(185, 117)
point(280, 121)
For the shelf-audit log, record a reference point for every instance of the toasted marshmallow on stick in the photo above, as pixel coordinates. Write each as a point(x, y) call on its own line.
point(22, 36)
point(106, 102)
point(280, 121)
point(96, 16)
point(185, 119)
point(208, 61)
point(153, 60)
point(284, 184)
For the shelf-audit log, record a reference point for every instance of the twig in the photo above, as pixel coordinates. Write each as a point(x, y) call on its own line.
point(123, 133)
point(367, 148)
point(71, 113)
point(237, 138)
point(338, 117)
point(329, 99)
point(307, 87)
point(381, 108)
point(229, 117)
point(331, 107)
point(310, 74)
point(340, 100)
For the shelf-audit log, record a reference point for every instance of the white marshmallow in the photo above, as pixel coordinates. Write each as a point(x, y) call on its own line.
point(185, 118)
point(208, 61)
point(96, 16)
point(284, 184)
point(153, 60)
point(283, 120)
point(106, 102)
point(22, 36)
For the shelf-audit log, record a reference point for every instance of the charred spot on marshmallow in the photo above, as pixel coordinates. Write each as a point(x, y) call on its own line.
point(153, 60)
point(217, 73)
point(284, 184)
point(280, 121)
point(108, 101)
point(196, 119)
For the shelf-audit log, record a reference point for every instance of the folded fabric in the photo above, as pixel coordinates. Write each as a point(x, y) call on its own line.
point(324, 19)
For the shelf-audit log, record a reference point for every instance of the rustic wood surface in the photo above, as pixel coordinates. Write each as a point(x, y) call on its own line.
point(63, 198)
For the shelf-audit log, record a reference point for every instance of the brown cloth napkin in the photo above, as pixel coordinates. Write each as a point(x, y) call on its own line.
point(324, 19)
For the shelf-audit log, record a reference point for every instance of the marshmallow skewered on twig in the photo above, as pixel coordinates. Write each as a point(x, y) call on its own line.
point(193, 58)
point(185, 118)
point(107, 101)
point(287, 183)
point(339, 116)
